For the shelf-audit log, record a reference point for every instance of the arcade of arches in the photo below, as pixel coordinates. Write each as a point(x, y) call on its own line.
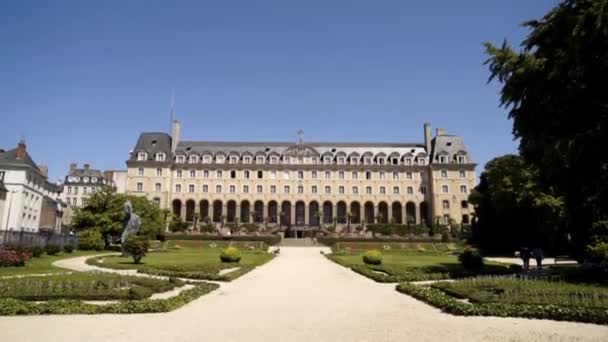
point(301, 213)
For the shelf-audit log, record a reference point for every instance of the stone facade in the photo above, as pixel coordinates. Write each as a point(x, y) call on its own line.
point(299, 183)
point(79, 185)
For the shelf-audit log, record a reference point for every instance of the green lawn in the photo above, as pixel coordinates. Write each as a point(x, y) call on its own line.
point(413, 266)
point(43, 264)
point(189, 262)
point(84, 286)
point(512, 290)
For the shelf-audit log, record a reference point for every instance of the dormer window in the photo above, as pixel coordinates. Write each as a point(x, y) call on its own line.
point(421, 161)
point(193, 159)
point(354, 161)
point(259, 160)
point(286, 160)
point(367, 160)
point(315, 160)
point(395, 161)
point(142, 156)
point(219, 159)
point(461, 159)
point(247, 160)
point(326, 160)
point(160, 157)
point(207, 159)
point(180, 159)
point(274, 160)
point(341, 160)
point(234, 159)
point(380, 161)
point(408, 161)
point(443, 159)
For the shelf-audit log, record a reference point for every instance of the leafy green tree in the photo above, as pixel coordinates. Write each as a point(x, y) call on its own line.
point(104, 213)
point(555, 91)
point(513, 211)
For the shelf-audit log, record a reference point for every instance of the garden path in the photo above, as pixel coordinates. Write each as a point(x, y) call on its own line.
point(299, 296)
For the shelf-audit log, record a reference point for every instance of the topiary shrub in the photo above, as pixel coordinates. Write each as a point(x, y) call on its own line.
point(372, 257)
point(230, 254)
point(471, 259)
point(137, 247)
point(36, 251)
point(52, 249)
point(90, 240)
point(68, 248)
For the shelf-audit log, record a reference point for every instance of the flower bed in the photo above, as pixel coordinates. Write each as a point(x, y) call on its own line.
point(10, 306)
point(10, 257)
point(449, 304)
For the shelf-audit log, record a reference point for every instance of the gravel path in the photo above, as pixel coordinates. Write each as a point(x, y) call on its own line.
point(299, 296)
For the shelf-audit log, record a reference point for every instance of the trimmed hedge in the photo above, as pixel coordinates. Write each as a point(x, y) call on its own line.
point(206, 273)
point(451, 305)
point(267, 239)
point(372, 257)
point(331, 241)
point(399, 229)
point(11, 307)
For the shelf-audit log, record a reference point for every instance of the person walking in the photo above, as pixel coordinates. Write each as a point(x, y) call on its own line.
point(524, 254)
point(538, 255)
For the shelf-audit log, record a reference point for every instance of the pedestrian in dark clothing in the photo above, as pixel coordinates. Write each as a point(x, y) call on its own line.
point(538, 255)
point(524, 254)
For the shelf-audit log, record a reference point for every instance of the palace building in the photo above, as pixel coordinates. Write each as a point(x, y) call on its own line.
point(297, 184)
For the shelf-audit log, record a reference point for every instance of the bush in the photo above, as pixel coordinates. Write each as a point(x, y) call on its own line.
point(13, 257)
point(372, 257)
point(139, 292)
point(90, 240)
point(52, 249)
point(445, 237)
point(137, 247)
point(68, 248)
point(36, 251)
point(471, 260)
point(598, 253)
point(230, 254)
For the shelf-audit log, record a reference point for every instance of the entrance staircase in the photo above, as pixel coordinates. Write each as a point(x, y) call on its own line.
point(292, 242)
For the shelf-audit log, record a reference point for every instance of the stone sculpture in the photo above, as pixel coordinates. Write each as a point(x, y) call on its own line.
point(131, 225)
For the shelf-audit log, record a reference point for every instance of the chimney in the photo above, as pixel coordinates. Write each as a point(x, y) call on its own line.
point(21, 148)
point(44, 170)
point(427, 137)
point(73, 167)
point(440, 131)
point(174, 135)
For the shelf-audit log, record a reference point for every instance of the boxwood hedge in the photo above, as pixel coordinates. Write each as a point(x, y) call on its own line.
point(448, 304)
point(267, 239)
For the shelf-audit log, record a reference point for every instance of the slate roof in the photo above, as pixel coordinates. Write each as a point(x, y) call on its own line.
point(450, 145)
point(10, 158)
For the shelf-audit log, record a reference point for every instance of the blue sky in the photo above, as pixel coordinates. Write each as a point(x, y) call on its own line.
point(81, 79)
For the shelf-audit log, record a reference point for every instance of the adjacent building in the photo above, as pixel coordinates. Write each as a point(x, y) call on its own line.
point(300, 183)
point(79, 185)
point(28, 201)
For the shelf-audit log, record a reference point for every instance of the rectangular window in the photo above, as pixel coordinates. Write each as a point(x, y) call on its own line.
point(327, 160)
point(159, 172)
point(140, 171)
point(410, 190)
point(341, 175)
point(218, 174)
point(219, 159)
point(232, 174)
point(341, 160)
point(313, 175)
point(423, 190)
point(445, 204)
point(408, 175)
point(205, 188)
point(180, 159)
point(246, 174)
point(368, 190)
point(83, 201)
point(463, 189)
point(315, 160)
point(368, 175)
point(444, 174)
point(141, 156)
point(286, 189)
point(395, 175)
point(444, 189)
point(260, 174)
point(285, 174)
point(259, 189)
point(273, 160)
point(300, 175)
point(192, 174)
point(193, 159)
point(382, 175)
point(178, 188)
point(341, 190)
point(206, 174)
point(232, 189)
point(354, 161)
point(382, 190)
point(246, 189)
point(408, 161)
point(178, 173)
point(313, 189)
point(300, 189)
point(327, 175)
point(191, 188)
point(259, 160)
point(157, 187)
point(218, 189)
point(84, 190)
point(463, 174)
point(207, 159)
point(246, 160)
point(328, 189)
point(69, 188)
point(396, 190)
point(273, 189)
point(355, 190)
point(355, 175)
